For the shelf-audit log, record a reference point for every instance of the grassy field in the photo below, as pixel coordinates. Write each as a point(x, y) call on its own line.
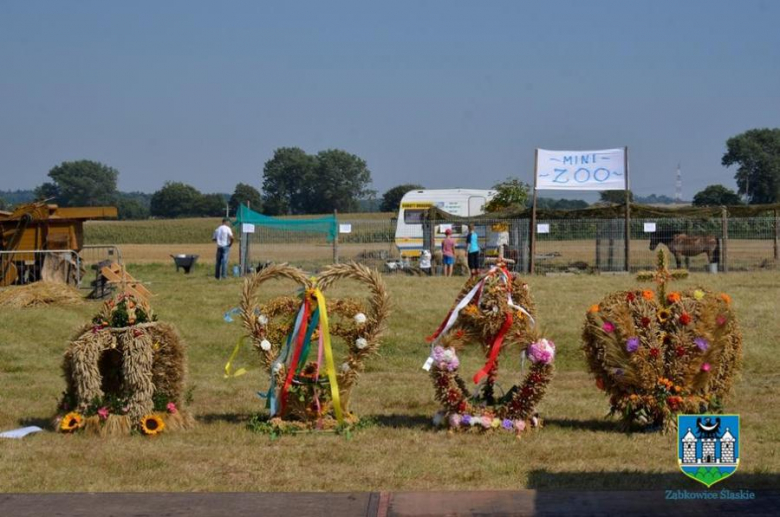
point(179, 231)
point(577, 448)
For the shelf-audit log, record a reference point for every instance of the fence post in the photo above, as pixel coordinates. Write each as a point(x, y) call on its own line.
point(724, 221)
point(777, 232)
point(598, 250)
point(336, 238)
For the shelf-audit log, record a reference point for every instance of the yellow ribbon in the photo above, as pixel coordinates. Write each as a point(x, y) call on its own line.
point(229, 365)
point(330, 367)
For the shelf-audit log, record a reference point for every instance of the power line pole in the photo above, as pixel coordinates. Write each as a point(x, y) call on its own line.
point(678, 186)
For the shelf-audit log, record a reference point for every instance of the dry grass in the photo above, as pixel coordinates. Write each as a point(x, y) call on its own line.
point(39, 294)
point(576, 449)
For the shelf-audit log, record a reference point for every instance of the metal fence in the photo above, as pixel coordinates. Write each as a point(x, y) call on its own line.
point(21, 267)
point(27, 266)
point(562, 245)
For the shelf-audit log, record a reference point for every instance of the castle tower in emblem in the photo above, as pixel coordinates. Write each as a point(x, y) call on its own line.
point(727, 447)
point(689, 447)
point(707, 451)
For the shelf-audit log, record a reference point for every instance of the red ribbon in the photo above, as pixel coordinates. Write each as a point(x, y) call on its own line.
point(441, 327)
point(495, 348)
point(296, 353)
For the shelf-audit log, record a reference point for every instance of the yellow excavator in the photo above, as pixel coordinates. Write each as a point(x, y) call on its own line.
point(44, 227)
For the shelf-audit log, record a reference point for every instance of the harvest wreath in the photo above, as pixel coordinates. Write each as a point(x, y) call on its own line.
point(124, 372)
point(496, 311)
point(657, 354)
point(312, 394)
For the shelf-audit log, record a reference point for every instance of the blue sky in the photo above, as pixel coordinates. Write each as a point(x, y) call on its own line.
point(447, 94)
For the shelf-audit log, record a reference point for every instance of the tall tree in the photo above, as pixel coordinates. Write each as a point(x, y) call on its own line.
point(509, 193)
point(131, 209)
point(246, 193)
point(297, 183)
point(391, 200)
point(284, 177)
point(757, 153)
point(340, 179)
point(716, 195)
point(617, 197)
point(81, 183)
point(175, 199)
point(211, 205)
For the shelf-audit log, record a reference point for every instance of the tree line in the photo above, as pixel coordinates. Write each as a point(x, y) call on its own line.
point(295, 182)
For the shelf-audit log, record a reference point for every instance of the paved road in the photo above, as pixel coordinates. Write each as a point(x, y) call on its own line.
point(406, 504)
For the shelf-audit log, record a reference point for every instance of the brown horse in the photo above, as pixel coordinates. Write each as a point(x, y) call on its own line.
point(682, 245)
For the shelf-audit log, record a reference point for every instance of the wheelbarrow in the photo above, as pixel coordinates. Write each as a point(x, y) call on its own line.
point(186, 262)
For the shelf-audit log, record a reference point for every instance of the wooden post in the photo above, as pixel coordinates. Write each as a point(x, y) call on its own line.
point(724, 221)
point(532, 233)
point(777, 232)
point(245, 265)
point(242, 242)
point(628, 211)
point(598, 251)
point(336, 238)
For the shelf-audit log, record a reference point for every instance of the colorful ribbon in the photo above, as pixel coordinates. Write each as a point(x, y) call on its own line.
point(229, 366)
point(297, 350)
point(495, 348)
point(329, 366)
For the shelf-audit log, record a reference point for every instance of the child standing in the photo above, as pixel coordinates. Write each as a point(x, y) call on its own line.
point(448, 252)
point(425, 262)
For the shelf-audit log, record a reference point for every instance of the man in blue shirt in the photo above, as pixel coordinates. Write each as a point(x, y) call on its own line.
point(472, 247)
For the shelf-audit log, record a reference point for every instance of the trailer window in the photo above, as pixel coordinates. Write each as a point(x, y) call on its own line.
point(413, 216)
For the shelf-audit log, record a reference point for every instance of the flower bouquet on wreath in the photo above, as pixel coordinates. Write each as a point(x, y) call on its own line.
point(495, 311)
point(125, 373)
point(660, 353)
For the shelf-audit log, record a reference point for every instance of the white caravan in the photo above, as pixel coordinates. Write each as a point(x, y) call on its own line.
point(458, 202)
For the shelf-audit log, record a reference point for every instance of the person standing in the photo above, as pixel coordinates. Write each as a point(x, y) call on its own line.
point(448, 252)
point(472, 247)
point(223, 236)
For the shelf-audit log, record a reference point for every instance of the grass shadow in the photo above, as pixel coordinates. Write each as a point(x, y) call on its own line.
point(230, 418)
point(599, 425)
point(47, 424)
point(402, 421)
point(637, 480)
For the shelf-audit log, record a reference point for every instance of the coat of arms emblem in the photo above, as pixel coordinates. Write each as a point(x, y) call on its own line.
point(708, 446)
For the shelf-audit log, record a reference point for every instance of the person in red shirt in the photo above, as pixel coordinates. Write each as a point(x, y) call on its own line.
point(448, 252)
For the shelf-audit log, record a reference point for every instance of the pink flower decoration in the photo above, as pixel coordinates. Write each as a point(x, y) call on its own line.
point(720, 320)
point(454, 420)
point(705, 367)
point(171, 407)
point(519, 425)
point(608, 327)
point(486, 422)
point(103, 413)
point(542, 351)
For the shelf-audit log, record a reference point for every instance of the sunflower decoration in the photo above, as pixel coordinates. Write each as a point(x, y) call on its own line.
point(152, 425)
point(657, 356)
point(122, 366)
point(71, 422)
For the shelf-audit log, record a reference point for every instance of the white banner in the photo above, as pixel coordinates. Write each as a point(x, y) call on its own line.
point(581, 170)
point(345, 228)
